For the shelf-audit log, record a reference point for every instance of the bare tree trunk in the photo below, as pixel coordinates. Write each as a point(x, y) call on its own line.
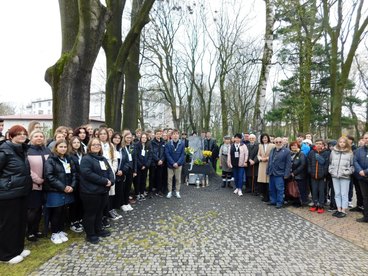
point(83, 25)
point(115, 80)
point(260, 104)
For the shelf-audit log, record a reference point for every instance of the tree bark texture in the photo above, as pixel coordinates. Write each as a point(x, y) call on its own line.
point(70, 76)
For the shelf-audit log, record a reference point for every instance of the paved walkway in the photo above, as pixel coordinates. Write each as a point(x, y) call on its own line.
point(210, 231)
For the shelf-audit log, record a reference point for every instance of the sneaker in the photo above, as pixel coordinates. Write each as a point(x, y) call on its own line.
point(104, 233)
point(125, 208)
point(32, 238)
point(177, 195)
point(159, 194)
point(236, 191)
point(335, 214)
point(240, 193)
point(311, 204)
point(117, 215)
point(93, 239)
point(25, 253)
point(320, 210)
point(55, 238)
point(105, 222)
point(169, 195)
point(332, 209)
point(356, 209)
point(16, 260)
point(63, 236)
point(113, 215)
point(350, 205)
point(130, 208)
point(76, 227)
point(362, 220)
point(341, 215)
point(142, 197)
point(313, 209)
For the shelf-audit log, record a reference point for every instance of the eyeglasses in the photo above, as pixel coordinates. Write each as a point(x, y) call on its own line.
point(96, 145)
point(278, 142)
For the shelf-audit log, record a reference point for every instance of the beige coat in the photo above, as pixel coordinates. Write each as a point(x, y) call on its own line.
point(262, 176)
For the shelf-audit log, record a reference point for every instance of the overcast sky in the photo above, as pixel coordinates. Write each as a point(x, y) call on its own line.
point(31, 42)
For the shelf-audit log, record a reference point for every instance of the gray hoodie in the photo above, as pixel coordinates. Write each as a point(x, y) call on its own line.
point(341, 163)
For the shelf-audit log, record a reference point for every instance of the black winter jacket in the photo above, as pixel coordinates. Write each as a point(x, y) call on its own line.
point(318, 163)
point(299, 165)
point(252, 155)
point(15, 174)
point(57, 178)
point(126, 166)
point(93, 178)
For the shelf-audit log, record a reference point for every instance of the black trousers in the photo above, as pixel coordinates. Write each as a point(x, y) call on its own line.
point(164, 179)
point(93, 206)
point(76, 208)
point(155, 178)
point(263, 189)
point(142, 179)
point(13, 221)
point(358, 191)
point(57, 218)
point(364, 190)
point(119, 192)
point(127, 185)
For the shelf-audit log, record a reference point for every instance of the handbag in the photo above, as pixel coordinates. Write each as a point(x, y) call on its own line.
point(292, 189)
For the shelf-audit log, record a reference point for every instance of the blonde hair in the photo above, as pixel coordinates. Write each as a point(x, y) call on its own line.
point(347, 144)
point(35, 132)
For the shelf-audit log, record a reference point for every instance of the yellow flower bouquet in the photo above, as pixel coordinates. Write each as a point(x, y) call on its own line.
point(207, 153)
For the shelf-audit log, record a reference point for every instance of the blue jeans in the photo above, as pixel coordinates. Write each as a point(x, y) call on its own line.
point(238, 173)
point(277, 188)
point(341, 187)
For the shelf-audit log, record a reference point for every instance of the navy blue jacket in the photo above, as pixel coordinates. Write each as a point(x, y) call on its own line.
point(361, 162)
point(158, 151)
point(279, 162)
point(175, 155)
point(140, 160)
point(126, 166)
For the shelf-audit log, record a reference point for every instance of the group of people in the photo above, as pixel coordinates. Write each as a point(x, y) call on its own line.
point(85, 177)
point(82, 177)
point(328, 170)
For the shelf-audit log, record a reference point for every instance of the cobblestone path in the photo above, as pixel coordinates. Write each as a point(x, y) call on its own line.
point(211, 231)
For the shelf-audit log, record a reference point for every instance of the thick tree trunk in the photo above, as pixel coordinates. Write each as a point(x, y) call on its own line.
point(114, 83)
point(132, 77)
point(111, 45)
point(224, 110)
point(260, 104)
point(70, 77)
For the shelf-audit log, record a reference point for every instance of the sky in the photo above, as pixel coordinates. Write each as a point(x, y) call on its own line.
point(31, 42)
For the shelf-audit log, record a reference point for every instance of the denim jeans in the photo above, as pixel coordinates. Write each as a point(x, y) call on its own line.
point(341, 187)
point(238, 173)
point(277, 188)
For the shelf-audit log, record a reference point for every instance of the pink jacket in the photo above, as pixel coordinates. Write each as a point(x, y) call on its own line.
point(243, 156)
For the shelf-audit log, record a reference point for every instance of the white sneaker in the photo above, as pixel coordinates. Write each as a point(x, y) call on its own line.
point(350, 205)
point(125, 208)
point(178, 195)
point(130, 208)
point(16, 260)
point(56, 239)
point(169, 195)
point(236, 191)
point(63, 236)
point(240, 193)
point(25, 253)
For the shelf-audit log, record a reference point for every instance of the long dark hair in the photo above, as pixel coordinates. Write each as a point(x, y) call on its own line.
point(263, 135)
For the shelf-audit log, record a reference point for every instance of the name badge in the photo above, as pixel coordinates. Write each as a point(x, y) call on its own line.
point(130, 157)
point(143, 152)
point(67, 167)
point(103, 165)
point(236, 154)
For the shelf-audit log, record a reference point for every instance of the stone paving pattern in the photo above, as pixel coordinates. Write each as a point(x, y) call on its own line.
point(211, 231)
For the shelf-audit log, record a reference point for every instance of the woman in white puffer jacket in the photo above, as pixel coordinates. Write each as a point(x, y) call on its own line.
point(341, 168)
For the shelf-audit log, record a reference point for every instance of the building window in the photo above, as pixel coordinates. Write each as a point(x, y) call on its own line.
point(39, 104)
point(40, 112)
point(48, 103)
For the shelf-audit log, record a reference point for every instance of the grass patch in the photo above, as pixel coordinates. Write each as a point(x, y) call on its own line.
point(41, 251)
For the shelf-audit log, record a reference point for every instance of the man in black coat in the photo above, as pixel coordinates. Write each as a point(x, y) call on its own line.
point(252, 169)
point(210, 144)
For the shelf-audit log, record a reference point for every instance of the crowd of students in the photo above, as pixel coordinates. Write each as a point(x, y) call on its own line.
point(85, 177)
point(326, 170)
